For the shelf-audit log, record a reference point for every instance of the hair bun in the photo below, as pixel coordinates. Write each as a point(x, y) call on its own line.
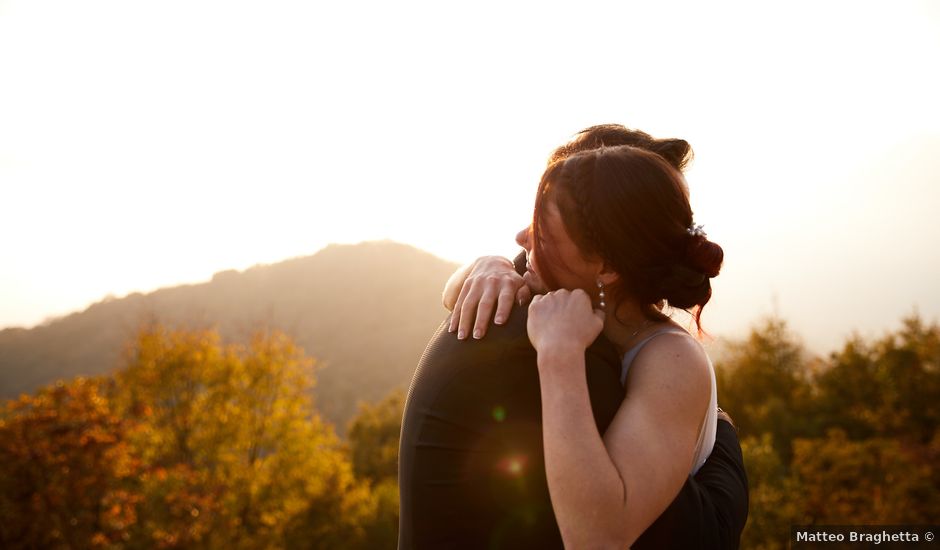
point(682, 286)
point(704, 256)
point(687, 283)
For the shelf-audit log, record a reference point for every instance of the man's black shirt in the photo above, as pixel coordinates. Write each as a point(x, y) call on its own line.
point(471, 459)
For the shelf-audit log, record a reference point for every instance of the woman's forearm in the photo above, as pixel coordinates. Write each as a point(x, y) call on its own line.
point(588, 493)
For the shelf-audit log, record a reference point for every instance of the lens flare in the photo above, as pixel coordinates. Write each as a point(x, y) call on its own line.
point(513, 465)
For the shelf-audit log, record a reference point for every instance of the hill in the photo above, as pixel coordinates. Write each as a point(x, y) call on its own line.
point(365, 312)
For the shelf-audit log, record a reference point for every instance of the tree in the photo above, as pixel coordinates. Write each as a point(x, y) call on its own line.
point(874, 481)
point(764, 384)
point(772, 506)
point(849, 439)
point(166, 388)
point(849, 392)
point(69, 476)
point(373, 440)
point(236, 456)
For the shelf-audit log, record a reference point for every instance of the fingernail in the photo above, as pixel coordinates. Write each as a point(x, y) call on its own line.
point(461, 335)
point(499, 320)
point(477, 334)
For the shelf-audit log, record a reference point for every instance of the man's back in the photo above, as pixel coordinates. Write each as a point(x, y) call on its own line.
point(471, 464)
point(471, 461)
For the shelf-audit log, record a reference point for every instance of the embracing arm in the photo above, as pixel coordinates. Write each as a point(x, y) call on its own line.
point(583, 482)
point(607, 491)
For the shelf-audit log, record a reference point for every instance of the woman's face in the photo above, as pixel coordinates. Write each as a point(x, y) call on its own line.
point(562, 258)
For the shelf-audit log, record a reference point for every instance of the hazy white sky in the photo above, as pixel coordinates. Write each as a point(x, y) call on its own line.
point(148, 144)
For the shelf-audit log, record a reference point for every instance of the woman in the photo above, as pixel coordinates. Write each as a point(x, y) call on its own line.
point(612, 238)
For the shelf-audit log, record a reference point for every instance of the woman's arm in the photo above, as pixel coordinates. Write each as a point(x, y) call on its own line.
point(607, 491)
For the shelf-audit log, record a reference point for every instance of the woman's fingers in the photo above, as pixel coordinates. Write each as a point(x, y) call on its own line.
point(481, 299)
point(488, 300)
point(468, 309)
point(489, 290)
point(504, 304)
point(523, 295)
point(458, 306)
point(563, 319)
point(497, 293)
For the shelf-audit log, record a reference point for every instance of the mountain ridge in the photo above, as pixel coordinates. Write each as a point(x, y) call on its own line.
point(363, 311)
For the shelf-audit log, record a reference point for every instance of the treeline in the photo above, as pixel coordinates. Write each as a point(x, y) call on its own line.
point(319, 300)
point(848, 439)
point(200, 444)
point(196, 444)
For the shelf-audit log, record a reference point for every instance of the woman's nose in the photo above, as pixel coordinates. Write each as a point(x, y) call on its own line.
point(522, 238)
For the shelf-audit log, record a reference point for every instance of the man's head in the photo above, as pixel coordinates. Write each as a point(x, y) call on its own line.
point(677, 152)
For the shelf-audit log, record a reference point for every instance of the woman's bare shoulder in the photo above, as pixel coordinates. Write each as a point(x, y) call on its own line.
point(675, 359)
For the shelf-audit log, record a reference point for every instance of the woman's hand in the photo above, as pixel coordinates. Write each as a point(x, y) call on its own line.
point(490, 281)
point(563, 322)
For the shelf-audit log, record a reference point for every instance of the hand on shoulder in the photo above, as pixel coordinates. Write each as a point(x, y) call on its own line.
point(485, 289)
point(563, 322)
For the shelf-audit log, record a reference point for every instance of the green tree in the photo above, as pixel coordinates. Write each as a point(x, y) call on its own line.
point(889, 389)
point(373, 440)
point(773, 507)
point(849, 392)
point(764, 384)
point(910, 363)
point(849, 439)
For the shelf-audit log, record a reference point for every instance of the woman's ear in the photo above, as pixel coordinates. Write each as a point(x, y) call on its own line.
point(607, 275)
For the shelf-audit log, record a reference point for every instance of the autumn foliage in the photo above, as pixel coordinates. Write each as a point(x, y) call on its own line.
point(68, 469)
point(194, 444)
point(850, 439)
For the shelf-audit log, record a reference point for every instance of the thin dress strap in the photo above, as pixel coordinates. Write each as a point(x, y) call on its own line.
point(635, 350)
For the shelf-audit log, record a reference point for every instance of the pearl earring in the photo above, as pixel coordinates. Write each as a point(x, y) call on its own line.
point(601, 296)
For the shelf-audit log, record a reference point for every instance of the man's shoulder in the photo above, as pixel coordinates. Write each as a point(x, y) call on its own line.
point(503, 356)
point(507, 343)
point(501, 341)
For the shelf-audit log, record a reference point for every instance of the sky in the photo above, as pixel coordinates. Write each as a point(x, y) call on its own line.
point(150, 144)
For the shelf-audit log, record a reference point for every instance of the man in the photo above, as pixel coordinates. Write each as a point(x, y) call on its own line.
point(471, 462)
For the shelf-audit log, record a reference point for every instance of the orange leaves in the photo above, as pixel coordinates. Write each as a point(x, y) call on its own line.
point(65, 465)
point(194, 444)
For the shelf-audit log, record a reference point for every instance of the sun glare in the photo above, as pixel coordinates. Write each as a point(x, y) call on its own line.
point(146, 145)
